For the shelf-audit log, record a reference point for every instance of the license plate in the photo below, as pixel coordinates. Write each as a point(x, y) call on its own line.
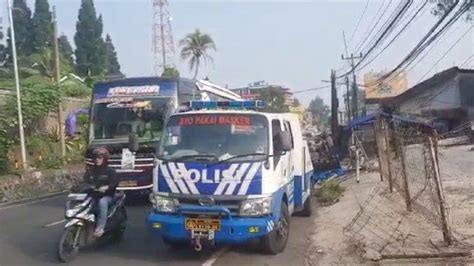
point(127, 183)
point(199, 224)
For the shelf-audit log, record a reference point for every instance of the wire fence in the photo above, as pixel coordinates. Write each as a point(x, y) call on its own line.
point(409, 212)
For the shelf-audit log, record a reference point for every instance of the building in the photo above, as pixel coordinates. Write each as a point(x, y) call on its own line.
point(253, 91)
point(390, 87)
point(446, 98)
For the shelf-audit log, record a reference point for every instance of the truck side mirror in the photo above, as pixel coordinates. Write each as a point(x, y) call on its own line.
point(282, 142)
point(133, 142)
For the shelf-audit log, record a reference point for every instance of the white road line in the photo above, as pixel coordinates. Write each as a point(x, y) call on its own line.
point(54, 223)
point(215, 256)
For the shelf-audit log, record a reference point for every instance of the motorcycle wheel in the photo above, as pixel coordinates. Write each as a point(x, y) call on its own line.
point(67, 249)
point(118, 234)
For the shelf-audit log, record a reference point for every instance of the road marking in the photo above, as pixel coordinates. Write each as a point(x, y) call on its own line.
point(54, 223)
point(215, 256)
point(31, 202)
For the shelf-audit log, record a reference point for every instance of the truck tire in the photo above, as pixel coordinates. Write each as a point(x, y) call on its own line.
point(275, 241)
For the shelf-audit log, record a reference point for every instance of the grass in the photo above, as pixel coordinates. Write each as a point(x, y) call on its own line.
point(329, 192)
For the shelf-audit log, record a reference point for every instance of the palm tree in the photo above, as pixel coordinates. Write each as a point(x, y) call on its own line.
point(195, 48)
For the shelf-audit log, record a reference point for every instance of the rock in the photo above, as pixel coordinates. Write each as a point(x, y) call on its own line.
point(372, 254)
point(320, 251)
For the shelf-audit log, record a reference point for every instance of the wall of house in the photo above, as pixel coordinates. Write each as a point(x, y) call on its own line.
point(466, 84)
point(442, 96)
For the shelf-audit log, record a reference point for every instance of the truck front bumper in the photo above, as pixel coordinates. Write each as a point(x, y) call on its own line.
point(233, 229)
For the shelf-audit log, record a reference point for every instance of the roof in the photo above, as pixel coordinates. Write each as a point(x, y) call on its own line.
point(438, 78)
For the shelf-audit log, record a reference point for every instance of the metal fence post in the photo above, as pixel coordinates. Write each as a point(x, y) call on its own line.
point(439, 191)
point(387, 153)
point(379, 145)
point(405, 176)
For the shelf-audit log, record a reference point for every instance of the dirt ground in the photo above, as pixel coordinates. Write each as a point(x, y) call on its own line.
point(369, 222)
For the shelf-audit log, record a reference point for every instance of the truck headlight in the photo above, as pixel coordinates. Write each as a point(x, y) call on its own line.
point(256, 207)
point(163, 204)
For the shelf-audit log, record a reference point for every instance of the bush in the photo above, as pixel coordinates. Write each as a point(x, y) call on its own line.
point(329, 192)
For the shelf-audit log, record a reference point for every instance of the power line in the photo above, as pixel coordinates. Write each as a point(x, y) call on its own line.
point(313, 89)
point(371, 28)
point(415, 15)
point(397, 17)
point(446, 53)
point(427, 40)
point(468, 60)
point(360, 19)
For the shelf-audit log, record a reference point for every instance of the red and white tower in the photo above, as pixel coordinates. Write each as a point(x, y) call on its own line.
point(163, 44)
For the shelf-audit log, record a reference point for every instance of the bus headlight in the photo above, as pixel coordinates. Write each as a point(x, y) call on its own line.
point(163, 204)
point(256, 207)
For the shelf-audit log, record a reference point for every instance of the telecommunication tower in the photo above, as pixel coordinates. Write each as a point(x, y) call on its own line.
point(163, 44)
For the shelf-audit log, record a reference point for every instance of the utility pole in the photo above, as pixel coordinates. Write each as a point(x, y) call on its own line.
point(334, 108)
point(348, 100)
point(17, 85)
point(163, 43)
point(355, 88)
point(58, 80)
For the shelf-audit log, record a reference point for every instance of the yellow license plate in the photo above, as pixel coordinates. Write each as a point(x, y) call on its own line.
point(199, 224)
point(127, 183)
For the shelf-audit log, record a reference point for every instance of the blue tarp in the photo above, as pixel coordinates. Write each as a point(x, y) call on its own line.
point(369, 119)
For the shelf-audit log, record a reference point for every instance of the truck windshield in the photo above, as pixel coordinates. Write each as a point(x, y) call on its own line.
point(215, 136)
point(117, 120)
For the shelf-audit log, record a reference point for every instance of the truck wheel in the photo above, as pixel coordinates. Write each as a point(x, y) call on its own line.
point(275, 241)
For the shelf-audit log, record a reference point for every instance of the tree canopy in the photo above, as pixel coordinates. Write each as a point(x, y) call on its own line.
point(319, 109)
point(274, 100)
point(195, 48)
point(112, 64)
point(42, 26)
point(170, 72)
point(90, 47)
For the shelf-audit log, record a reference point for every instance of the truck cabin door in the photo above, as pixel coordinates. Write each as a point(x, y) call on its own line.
point(281, 162)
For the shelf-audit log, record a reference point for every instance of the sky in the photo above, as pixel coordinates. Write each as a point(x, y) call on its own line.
point(290, 43)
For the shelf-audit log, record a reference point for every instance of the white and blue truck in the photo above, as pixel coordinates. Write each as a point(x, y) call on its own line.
point(227, 173)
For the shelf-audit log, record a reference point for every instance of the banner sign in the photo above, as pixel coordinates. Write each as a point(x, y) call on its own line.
point(214, 120)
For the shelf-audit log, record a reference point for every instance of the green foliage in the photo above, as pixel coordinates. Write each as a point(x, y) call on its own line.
point(90, 47)
point(329, 192)
point(74, 89)
point(37, 101)
point(112, 64)
point(274, 100)
point(66, 50)
point(23, 28)
point(296, 102)
point(320, 110)
point(195, 48)
point(170, 72)
point(42, 26)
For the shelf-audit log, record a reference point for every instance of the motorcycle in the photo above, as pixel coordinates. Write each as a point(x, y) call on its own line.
point(80, 213)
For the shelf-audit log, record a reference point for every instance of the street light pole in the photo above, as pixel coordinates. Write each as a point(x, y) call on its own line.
point(17, 84)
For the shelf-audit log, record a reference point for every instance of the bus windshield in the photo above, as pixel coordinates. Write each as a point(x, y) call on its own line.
point(141, 116)
point(220, 136)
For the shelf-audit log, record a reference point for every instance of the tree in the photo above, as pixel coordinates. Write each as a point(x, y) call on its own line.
point(23, 26)
point(90, 47)
point(65, 49)
point(42, 26)
point(195, 48)
point(3, 48)
point(320, 110)
point(170, 72)
point(274, 100)
point(442, 6)
point(113, 66)
point(296, 102)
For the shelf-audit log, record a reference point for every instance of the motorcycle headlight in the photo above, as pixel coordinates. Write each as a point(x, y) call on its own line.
point(256, 207)
point(163, 204)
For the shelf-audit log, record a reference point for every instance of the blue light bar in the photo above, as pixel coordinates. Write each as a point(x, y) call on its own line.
point(197, 105)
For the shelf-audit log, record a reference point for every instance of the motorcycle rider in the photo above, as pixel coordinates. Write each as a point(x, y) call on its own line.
point(104, 178)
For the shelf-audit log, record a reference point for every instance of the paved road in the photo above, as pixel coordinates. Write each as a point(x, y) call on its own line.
point(24, 240)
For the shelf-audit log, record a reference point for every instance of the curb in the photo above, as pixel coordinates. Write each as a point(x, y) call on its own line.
point(28, 200)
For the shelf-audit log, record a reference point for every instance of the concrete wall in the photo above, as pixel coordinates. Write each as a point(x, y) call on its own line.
point(442, 96)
